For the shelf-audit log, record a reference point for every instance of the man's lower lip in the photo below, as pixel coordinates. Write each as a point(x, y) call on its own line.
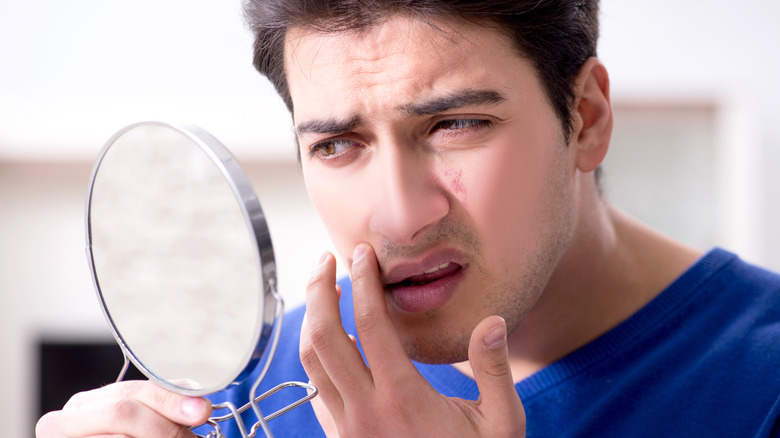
point(428, 296)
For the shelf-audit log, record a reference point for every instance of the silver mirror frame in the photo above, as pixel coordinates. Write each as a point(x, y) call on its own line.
point(272, 304)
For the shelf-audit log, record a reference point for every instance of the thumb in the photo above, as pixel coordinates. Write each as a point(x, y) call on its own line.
point(489, 360)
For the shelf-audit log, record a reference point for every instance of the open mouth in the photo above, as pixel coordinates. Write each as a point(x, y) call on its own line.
point(428, 290)
point(434, 274)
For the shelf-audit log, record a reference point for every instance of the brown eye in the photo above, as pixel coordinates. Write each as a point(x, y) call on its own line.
point(330, 148)
point(327, 149)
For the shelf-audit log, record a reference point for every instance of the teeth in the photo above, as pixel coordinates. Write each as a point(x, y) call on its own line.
point(429, 271)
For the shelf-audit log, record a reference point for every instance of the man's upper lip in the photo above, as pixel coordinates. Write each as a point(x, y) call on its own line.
point(409, 268)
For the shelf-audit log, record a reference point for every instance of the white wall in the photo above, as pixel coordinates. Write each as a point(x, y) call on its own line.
point(720, 52)
point(72, 73)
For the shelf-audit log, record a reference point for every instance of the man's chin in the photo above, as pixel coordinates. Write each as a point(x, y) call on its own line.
point(437, 352)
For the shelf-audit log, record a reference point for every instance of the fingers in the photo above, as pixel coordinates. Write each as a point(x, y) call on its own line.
point(181, 409)
point(489, 360)
point(324, 417)
point(381, 345)
point(109, 417)
point(126, 408)
point(328, 394)
point(391, 397)
point(328, 354)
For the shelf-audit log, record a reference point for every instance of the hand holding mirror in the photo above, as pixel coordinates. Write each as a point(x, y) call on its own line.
point(182, 261)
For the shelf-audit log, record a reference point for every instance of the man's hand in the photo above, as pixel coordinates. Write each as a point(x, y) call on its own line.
point(389, 397)
point(132, 409)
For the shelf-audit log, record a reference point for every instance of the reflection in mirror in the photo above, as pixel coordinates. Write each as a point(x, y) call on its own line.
point(182, 260)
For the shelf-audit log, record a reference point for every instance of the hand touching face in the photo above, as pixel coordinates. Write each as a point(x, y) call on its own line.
point(387, 396)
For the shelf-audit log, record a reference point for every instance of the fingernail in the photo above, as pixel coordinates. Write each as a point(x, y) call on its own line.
point(193, 407)
point(322, 259)
point(359, 251)
point(495, 337)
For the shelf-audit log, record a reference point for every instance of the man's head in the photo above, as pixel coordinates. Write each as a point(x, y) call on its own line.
point(435, 140)
point(557, 36)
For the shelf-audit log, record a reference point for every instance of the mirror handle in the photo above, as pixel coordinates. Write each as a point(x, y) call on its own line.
point(125, 366)
point(311, 390)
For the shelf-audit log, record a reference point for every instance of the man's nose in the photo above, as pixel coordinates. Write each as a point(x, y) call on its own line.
point(409, 200)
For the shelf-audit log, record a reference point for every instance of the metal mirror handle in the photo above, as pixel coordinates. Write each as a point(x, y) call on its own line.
point(254, 399)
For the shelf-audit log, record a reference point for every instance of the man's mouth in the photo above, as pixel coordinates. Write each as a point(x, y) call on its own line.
point(425, 286)
point(434, 274)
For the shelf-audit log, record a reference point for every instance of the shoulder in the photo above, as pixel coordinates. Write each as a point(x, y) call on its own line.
point(710, 340)
point(741, 289)
point(725, 343)
point(735, 308)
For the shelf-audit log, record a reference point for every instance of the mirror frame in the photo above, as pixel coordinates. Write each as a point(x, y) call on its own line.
point(254, 217)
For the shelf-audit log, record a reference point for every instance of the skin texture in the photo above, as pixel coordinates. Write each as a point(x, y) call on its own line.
point(421, 148)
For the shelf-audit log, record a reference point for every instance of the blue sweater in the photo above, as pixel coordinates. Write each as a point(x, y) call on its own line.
point(700, 360)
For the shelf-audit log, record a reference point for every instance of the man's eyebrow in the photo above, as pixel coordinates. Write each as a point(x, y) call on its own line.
point(453, 101)
point(435, 105)
point(329, 126)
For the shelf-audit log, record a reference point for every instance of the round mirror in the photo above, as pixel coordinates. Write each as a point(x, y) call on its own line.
point(181, 257)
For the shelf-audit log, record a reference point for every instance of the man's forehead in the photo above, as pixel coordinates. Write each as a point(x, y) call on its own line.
point(392, 37)
point(423, 62)
point(383, 31)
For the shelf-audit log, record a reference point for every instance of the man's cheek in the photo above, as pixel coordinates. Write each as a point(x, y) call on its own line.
point(341, 221)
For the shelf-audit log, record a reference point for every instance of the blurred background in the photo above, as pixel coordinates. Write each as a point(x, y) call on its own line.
point(694, 85)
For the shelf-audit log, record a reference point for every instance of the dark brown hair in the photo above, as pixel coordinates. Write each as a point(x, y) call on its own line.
point(557, 36)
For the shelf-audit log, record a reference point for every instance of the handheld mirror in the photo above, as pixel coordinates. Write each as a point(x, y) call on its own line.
point(182, 261)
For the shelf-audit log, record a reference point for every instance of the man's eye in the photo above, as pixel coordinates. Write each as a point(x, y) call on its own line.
point(459, 124)
point(330, 148)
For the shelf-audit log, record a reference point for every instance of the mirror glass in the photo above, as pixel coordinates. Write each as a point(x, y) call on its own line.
point(181, 257)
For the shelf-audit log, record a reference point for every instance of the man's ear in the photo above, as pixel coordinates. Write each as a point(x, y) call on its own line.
point(592, 116)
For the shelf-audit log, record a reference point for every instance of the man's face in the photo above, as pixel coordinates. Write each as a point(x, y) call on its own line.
point(438, 147)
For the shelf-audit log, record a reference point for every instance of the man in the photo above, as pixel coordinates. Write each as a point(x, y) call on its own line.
point(452, 151)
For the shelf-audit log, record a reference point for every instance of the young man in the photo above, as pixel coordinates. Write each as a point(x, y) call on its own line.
point(451, 148)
